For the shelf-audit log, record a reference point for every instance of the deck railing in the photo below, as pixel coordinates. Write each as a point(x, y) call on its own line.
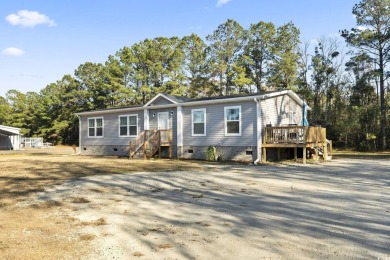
point(294, 135)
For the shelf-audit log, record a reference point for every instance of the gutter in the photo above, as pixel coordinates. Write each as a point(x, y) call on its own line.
point(259, 131)
point(79, 134)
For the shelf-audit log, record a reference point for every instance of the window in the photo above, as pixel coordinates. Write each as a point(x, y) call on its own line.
point(198, 122)
point(233, 121)
point(128, 125)
point(95, 127)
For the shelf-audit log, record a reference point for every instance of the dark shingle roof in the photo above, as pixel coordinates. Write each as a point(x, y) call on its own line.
point(177, 99)
point(232, 96)
point(180, 99)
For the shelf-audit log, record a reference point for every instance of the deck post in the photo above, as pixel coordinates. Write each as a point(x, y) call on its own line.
point(325, 151)
point(304, 155)
point(264, 154)
point(145, 157)
point(159, 144)
point(170, 143)
point(295, 153)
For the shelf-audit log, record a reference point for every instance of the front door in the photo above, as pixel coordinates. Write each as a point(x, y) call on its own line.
point(163, 120)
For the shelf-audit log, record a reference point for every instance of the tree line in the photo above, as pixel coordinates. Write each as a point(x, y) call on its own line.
point(346, 87)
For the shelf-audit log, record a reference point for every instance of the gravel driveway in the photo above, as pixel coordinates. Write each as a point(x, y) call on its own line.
point(334, 210)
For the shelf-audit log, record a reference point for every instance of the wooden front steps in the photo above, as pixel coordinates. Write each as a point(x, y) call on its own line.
point(149, 142)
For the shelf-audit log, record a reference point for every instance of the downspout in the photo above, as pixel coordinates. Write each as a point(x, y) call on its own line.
point(179, 127)
point(259, 131)
point(79, 135)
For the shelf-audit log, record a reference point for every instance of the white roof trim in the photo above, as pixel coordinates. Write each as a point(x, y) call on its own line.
point(10, 129)
point(156, 97)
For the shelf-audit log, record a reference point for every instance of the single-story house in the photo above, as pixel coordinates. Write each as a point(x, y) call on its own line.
point(234, 125)
point(9, 138)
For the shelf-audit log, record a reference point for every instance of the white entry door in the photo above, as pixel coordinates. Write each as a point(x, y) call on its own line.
point(163, 121)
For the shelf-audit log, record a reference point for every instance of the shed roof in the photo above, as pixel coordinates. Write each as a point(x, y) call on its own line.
point(9, 130)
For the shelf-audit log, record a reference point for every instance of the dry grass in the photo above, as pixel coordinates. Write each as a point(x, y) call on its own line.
point(44, 230)
point(25, 174)
point(361, 155)
point(138, 254)
point(79, 200)
point(87, 237)
point(165, 246)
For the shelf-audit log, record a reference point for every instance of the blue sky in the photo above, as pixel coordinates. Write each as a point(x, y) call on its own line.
point(43, 40)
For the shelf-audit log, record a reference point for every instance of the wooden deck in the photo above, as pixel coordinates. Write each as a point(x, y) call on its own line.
point(309, 138)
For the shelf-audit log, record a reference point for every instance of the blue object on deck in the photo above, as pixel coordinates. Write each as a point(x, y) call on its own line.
point(304, 116)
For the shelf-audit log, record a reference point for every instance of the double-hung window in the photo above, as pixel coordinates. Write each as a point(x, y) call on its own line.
point(128, 125)
point(198, 122)
point(233, 121)
point(95, 127)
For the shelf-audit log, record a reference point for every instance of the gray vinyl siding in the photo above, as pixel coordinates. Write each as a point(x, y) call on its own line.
point(215, 126)
point(172, 121)
point(275, 111)
point(5, 142)
point(161, 101)
point(110, 129)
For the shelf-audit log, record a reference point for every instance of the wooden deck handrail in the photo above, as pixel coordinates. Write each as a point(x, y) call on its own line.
point(294, 134)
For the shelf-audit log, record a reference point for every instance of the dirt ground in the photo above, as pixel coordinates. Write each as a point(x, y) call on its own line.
point(54, 204)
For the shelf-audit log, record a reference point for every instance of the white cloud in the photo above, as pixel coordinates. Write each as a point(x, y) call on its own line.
point(12, 51)
point(222, 2)
point(27, 18)
point(362, 28)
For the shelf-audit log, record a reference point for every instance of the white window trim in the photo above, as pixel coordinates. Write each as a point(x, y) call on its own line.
point(94, 118)
point(192, 121)
point(240, 120)
point(128, 121)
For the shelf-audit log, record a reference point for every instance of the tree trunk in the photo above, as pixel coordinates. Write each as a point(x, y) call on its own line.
point(383, 103)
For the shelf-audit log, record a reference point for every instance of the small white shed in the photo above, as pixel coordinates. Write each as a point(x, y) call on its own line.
point(9, 138)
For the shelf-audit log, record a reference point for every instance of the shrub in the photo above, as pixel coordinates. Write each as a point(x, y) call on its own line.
point(211, 153)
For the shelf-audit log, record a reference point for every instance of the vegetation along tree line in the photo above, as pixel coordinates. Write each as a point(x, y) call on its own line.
point(347, 87)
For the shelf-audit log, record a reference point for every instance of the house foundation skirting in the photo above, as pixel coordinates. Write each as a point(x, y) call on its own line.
point(120, 150)
point(114, 150)
point(226, 153)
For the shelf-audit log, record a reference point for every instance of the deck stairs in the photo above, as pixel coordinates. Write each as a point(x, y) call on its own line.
point(320, 150)
point(149, 144)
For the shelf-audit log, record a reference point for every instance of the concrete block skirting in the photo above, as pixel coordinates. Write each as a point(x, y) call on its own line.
point(114, 150)
point(227, 153)
point(120, 150)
